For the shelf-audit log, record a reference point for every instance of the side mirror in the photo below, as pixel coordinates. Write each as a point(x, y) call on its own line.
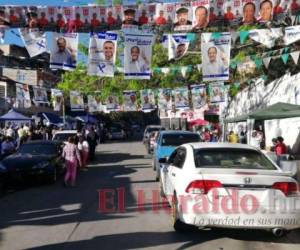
point(163, 160)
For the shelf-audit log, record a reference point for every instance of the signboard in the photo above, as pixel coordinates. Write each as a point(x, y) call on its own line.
point(21, 75)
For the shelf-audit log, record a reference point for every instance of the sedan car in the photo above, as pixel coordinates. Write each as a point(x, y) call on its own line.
point(63, 135)
point(148, 130)
point(116, 133)
point(229, 185)
point(34, 159)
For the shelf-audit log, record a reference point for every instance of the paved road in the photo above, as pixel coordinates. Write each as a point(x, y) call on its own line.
point(53, 217)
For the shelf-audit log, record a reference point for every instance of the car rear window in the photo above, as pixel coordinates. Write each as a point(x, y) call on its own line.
point(179, 139)
point(149, 130)
point(63, 137)
point(232, 158)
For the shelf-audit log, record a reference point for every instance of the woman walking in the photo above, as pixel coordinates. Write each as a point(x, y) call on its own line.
point(83, 148)
point(71, 155)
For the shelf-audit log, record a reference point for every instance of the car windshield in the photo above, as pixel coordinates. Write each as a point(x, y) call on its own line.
point(179, 139)
point(62, 137)
point(38, 149)
point(232, 158)
point(149, 130)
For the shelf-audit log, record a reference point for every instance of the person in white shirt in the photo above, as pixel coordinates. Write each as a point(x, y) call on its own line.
point(217, 65)
point(83, 148)
point(146, 103)
point(63, 55)
point(139, 62)
point(130, 105)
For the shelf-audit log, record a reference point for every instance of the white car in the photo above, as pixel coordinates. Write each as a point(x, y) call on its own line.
point(228, 185)
point(63, 135)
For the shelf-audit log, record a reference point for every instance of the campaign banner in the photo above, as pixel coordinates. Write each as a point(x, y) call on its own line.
point(76, 101)
point(215, 50)
point(51, 14)
point(68, 13)
point(94, 103)
point(63, 54)
point(217, 92)
point(200, 11)
point(137, 55)
point(102, 54)
point(266, 37)
point(291, 34)
point(97, 15)
point(40, 95)
point(34, 41)
point(233, 12)
point(184, 16)
point(112, 103)
point(199, 98)
point(147, 99)
point(22, 96)
point(57, 99)
point(250, 11)
point(145, 14)
point(82, 16)
point(130, 15)
point(265, 11)
point(164, 13)
point(181, 97)
point(129, 100)
point(165, 99)
point(178, 45)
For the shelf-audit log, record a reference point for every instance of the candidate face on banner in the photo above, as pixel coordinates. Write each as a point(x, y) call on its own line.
point(129, 101)
point(165, 99)
point(250, 10)
point(217, 92)
point(178, 46)
point(64, 51)
point(34, 41)
point(112, 103)
point(57, 98)
point(164, 13)
point(76, 101)
point(146, 14)
point(181, 96)
point(94, 103)
point(102, 54)
point(130, 15)
point(183, 17)
point(40, 95)
point(200, 11)
point(22, 96)
point(215, 56)
point(137, 56)
point(233, 12)
point(265, 11)
point(147, 99)
point(199, 97)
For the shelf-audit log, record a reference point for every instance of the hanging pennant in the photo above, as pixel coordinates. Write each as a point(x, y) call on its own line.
point(178, 45)
point(266, 37)
point(285, 58)
point(295, 56)
point(34, 41)
point(292, 34)
point(266, 61)
point(184, 70)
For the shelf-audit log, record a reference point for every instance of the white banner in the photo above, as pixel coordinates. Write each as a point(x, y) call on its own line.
point(22, 96)
point(199, 98)
point(147, 99)
point(184, 16)
point(137, 56)
point(94, 103)
point(40, 95)
point(64, 51)
point(57, 99)
point(215, 51)
point(129, 100)
point(76, 101)
point(266, 37)
point(291, 34)
point(165, 13)
point(217, 92)
point(165, 99)
point(102, 54)
point(181, 97)
point(34, 41)
point(112, 103)
point(178, 46)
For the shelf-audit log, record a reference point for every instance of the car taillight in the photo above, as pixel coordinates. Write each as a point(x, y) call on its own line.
point(202, 186)
point(288, 188)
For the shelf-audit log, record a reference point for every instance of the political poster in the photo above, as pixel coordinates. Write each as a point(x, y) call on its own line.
point(112, 103)
point(199, 98)
point(63, 53)
point(34, 41)
point(250, 11)
point(217, 92)
point(94, 103)
point(291, 34)
point(147, 100)
point(40, 95)
point(165, 99)
point(200, 11)
point(215, 49)
point(51, 15)
point(233, 12)
point(137, 55)
point(102, 54)
point(129, 100)
point(76, 101)
point(164, 13)
point(265, 11)
point(178, 45)
point(183, 17)
point(181, 98)
point(130, 15)
point(57, 99)
point(22, 96)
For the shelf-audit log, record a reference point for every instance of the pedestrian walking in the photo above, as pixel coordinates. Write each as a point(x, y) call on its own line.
point(83, 148)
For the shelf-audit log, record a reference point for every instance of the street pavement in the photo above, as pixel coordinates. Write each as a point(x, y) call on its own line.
point(52, 217)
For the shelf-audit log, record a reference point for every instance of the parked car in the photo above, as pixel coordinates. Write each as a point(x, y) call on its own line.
point(152, 140)
point(167, 141)
point(148, 130)
point(116, 133)
point(63, 135)
point(34, 159)
point(217, 172)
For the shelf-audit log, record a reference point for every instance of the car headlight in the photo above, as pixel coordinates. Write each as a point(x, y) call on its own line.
point(41, 165)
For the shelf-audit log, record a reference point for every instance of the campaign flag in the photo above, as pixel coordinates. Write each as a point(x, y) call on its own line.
point(217, 92)
point(102, 54)
point(57, 99)
point(94, 102)
point(40, 95)
point(178, 45)
point(64, 51)
point(22, 96)
point(76, 101)
point(34, 41)
point(215, 49)
point(129, 100)
point(199, 98)
point(181, 97)
point(137, 55)
point(148, 99)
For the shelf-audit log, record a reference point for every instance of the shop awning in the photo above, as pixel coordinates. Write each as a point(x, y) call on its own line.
point(14, 116)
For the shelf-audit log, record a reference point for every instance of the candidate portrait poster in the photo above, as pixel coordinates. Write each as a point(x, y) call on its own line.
point(34, 41)
point(22, 96)
point(147, 99)
point(130, 15)
point(250, 11)
point(94, 103)
point(233, 12)
point(165, 99)
point(76, 101)
point(217, 92)
point(181, 98)
point(137, 56)
point(164, 13)
point(200, 10)
point(112, 103)
point(102, 54)
point(199, 98)
point(265, 11)
point(178, 45)
point(129, 100)
point(63, 53)
point(40, 95)
point(57, 99)
point(183, 16)
point(215, 49)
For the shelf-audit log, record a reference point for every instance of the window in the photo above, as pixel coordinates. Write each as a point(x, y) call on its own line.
point(179, 158)
point(178, 139)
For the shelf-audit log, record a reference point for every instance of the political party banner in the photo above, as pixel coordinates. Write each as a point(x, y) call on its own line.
point(250, 11)
point(164, 13)
point(112, 103)
point(178, 45)
point(266, 11)
point(165, 41)
point(43, 21)
point(63, 54)
point(291, 34)
point(102, 54)
point(216, 12)
point(143, 15)
point(34, 41)
point(217, 92)
point(199, 98)
point(22, 96)
point(130, 100)
point(76, 101)
point(183, 17)
point(68, 13)
point(97, 16)
point(40, 95)
point(82, 16)
point(147, 99)
point(57, 99)
point(233, 12)
point(200, 11)
point(181, 97)
point(165, 99)
point(215, 50)
point(51, 14)
point(266, 37)
point(94, 103)
point(137, 55)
